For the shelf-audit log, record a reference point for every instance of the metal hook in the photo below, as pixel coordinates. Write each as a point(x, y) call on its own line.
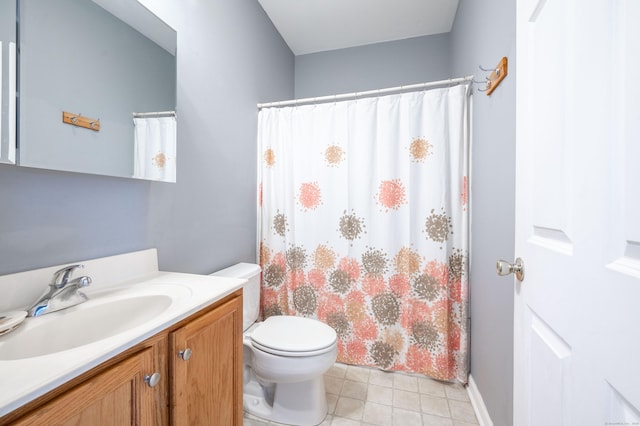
point(486, 69)
point(486, 83)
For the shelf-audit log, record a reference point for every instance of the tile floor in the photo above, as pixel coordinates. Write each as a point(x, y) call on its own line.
point(360, 396)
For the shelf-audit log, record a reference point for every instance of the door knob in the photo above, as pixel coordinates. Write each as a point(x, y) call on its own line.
point(506, 268)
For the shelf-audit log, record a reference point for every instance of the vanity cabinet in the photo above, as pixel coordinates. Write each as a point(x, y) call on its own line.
point(115, 397)
point(207, 368)
point(199, 362)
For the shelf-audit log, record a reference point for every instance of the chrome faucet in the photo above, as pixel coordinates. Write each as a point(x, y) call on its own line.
point(62, 292)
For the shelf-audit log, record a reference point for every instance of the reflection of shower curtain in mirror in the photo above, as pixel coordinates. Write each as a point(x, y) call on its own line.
point(155, 148)
point(364, 225)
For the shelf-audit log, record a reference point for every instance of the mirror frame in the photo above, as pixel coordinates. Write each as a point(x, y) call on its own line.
point(8, 82)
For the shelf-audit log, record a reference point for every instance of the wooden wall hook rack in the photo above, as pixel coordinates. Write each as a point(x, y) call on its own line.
point(80, 121)
point(497, 75)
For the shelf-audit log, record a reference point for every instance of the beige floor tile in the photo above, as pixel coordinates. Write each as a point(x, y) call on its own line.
point(434, 405)
point(381, 378)
point(461, 410)
point(377, 414)
point(349, 408)
point(333, 385)
point(431, 387)
point(341, 421)
point(406, 400)
point(406, 418)
point(358, 374)
point(252, 422)
point(337, 370)
point(405, 382)
point(355, 390)
point(429, 420)
point(363, 396)
point(457, 392)
point(332, 400)
point(327, 421)
point(380, 395)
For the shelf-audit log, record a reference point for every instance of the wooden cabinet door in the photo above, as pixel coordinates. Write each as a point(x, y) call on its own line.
point(118, 396)
point(207, 387)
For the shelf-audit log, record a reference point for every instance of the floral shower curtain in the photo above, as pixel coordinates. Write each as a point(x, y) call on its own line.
point(363, 224)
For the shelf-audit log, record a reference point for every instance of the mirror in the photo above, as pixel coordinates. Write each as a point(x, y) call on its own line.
point(85, 68)
point(8, 81)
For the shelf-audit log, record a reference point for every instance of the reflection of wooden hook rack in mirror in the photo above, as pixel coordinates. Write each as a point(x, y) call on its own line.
point(80, 121)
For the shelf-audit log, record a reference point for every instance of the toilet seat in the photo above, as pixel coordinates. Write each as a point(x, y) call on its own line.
point(293, 336)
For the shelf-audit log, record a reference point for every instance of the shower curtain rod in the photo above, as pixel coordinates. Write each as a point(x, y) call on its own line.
point(154, 114)
point(451, 81)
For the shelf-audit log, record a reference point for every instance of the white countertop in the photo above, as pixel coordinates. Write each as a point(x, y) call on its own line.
point(22, 380)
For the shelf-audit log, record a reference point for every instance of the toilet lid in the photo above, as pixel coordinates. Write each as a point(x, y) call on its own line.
point(289, 334)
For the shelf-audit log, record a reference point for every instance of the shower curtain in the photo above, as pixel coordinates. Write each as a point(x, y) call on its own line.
point(363, 224)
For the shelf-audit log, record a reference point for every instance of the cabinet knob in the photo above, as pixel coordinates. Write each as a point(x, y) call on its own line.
point(152, 380)
point(185, 354)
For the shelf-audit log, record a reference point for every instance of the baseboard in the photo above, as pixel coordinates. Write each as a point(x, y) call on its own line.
point(478, 404)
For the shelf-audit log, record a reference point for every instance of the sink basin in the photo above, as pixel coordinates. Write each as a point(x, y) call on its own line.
point(81, 325)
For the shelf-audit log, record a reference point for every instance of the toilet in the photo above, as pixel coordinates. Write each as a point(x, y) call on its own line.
point(284, 359)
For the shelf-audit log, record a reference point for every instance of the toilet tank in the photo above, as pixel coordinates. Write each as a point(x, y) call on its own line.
point(251, 290)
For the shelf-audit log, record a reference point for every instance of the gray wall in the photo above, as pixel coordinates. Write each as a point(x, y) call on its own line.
point(77, 57)
point(229, 58)
point(483, 33)
point(234, 58)
point(375, 66)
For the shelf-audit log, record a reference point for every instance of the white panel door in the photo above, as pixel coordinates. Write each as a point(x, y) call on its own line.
point(577, 314)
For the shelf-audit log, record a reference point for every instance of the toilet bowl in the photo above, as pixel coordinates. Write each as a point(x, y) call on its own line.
point(284, 359)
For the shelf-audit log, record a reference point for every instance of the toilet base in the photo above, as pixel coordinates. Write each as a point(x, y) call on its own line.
point(299, 404)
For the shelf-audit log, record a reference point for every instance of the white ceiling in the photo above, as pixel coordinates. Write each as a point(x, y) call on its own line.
point(310, 26)
point(139, 17)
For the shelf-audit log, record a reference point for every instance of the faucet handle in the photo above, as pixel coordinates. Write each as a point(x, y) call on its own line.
point(61, 276)
point(83, 281)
